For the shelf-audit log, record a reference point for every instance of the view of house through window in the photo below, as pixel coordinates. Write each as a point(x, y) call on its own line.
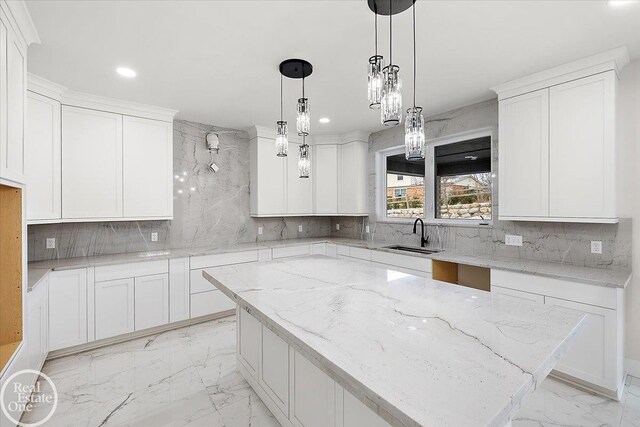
point(405, 187)
point(463, 180)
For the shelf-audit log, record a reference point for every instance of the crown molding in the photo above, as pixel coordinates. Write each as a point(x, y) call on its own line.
point(20, 14)
point(614, 59)
point(102, 103)
point(45, 87)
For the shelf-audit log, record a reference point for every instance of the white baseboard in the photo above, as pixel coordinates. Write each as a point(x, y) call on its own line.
point(632, 367)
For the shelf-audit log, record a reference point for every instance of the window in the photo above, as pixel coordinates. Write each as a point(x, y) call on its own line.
point(463, 180)
point(404, 187)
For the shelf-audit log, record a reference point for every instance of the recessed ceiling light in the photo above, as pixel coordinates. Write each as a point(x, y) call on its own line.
point(324, 120)
point(621, 3)
point(126, 72)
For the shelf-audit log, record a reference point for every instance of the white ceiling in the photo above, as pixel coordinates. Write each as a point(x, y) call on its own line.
point(217, 61)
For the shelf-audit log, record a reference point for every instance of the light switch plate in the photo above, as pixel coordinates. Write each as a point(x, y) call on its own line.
point(512, 240)
point(51, 242)
point(300, 228)
point(337, 227)
point(154, 237)
point(260, 230)
point(596, 247)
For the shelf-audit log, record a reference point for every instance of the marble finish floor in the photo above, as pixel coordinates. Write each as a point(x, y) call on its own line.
point(187, 377)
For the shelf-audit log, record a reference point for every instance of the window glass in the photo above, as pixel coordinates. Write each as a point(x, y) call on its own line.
point(405, 187)
point(463, 180)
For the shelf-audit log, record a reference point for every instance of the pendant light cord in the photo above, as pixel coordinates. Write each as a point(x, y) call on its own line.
point(302, 87)
point(376, 29)
point(414, 55)
point(280, 96)
point(390, 34)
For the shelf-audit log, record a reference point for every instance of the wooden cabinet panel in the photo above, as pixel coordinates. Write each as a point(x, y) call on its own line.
point(325, 178)
point(524, 155)
point(151, 301)
point(91, 164)
point(299, 190)
point(67, 308)
point(274, 370)
point(313, 400)
point(147, 148)
point(114, 307)
point(42, 158)
point(250, 341)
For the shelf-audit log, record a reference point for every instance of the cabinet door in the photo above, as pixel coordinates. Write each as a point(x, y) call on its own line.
point(249, 342)
point(178, 289)
point(357, 414)
point(36, 311)
point(268, 178)
point(524, 155)
point(592, 356)
point(299, 190)
point(147, 147)
point(582, 151)
point(114, 302)
point(352, 178)
point(12, 165)
point(91, 164)
point(274, 370)
point(325, 178)
point(518, 295)
point(42, 158)
point(152, 301)
point(67, 308)
point(313, 403)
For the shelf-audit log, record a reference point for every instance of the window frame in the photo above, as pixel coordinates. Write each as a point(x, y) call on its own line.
point(430, 181)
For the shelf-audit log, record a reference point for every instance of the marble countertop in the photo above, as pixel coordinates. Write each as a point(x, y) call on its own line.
point(588, 275)
point(427, 352)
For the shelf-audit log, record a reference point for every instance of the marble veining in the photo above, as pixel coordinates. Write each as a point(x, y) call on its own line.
point(429, 353)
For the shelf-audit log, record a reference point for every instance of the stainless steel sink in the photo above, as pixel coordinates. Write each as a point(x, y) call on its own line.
point(412, 249)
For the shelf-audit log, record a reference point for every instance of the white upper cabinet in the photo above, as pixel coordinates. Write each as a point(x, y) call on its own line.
point(557, 144)
point(147, 168)
point(325, 178)
point(524, 155)
point(299, 190)
point(267, 179)
point(42, 158)
point(352, 178)
point(91, 164)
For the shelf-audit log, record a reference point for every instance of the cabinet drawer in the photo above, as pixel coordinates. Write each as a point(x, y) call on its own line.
point(215, 260)
point(360, 253)
point(199, 283)
point(519, 295)
point(405, 261)
point(134, 269)
point(288, 251)
point(210, 302)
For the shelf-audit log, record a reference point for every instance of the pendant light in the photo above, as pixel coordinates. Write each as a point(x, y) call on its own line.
point(374, 75)
point(391, 101)
point(303, 121)
point(304, 159)
point(282, 139)
point(414, 125)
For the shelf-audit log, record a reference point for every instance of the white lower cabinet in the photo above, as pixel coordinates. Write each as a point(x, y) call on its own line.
point(151, 301)
point(274, 369)
point(313, 395)
point(211, 302)
point(179, 289)
point(357, 414)
point(67, 308)
point(250, 341)
point(518, 295)
point(114, 307)
point(38, 324)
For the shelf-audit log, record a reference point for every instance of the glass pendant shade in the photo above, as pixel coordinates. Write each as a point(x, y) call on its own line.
point(391, 101)
point(303, 121)
point(304, 161)
point(414, 134)
point(374, 80)
point(282, 139)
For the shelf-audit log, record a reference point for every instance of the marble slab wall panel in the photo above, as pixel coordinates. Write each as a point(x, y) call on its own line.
point(210, 209)
point(555, 242)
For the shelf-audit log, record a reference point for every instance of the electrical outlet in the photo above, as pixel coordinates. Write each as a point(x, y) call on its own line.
point(366, 229)
point(511, 240)
point(337, 227)
point(300, 228)
point(596, 247)
point(51, 242)
point(154, 237)
point(260, 230)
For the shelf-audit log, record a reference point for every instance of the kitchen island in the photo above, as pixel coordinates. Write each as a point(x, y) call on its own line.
point(336, 342)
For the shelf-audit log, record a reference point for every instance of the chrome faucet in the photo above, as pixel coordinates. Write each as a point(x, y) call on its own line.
point(423, 241)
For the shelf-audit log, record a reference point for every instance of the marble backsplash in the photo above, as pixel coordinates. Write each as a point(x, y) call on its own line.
point(210, 209)
point(554, 242)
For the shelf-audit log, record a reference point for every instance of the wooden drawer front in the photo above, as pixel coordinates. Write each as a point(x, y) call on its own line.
point(360, 253)
point(210, 302)
point(519, 295)
point(592, 356)
point(288, 251)
point(134, 269)
point(249, 341)
point(215, 260)
point(274, 371)
point(318, 249)
point(405, 261)
point(564, 289)
point(199, 283)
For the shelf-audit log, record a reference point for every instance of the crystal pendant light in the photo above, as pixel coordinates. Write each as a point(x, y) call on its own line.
point(282, 140)
point(414, 139)
point(374, 75)
point(303, 121)
point(304, 160)
point(391, 102)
